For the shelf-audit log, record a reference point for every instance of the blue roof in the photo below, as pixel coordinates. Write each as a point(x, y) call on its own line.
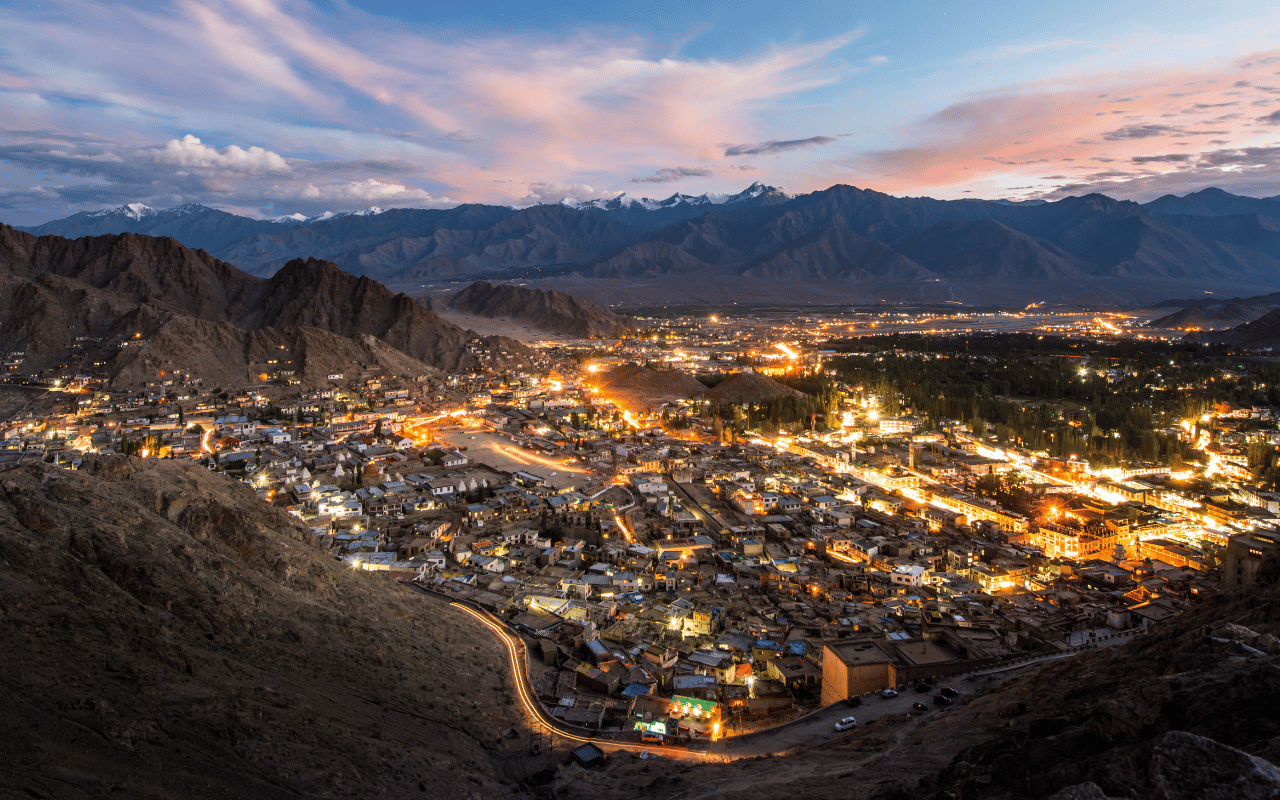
point(635, 690)
point(797, 648)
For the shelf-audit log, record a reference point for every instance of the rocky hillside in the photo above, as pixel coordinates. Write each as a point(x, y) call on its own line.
point(167, 635)
point(554, 312)
point(182, 308)
point(749, 387)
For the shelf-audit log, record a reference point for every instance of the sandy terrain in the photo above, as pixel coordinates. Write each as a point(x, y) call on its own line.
point(501, 453)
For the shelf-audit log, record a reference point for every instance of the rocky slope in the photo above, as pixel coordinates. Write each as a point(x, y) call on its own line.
point(186, 309)
point(167, 635)
point(554, 312)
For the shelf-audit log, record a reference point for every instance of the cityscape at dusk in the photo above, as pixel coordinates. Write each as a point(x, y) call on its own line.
point(659, 401)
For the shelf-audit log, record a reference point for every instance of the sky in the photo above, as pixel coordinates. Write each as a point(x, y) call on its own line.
point(274, 107)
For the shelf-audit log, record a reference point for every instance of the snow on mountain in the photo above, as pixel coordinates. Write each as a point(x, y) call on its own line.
point(626, 202)
point(137, 211)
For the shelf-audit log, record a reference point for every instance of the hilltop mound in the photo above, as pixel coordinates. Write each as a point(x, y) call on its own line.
point(555, 312)
point(1261, 334)
point(750, 387)
point(168, 634)
point(98, 299)
point(641, 387)
point(1210, 317)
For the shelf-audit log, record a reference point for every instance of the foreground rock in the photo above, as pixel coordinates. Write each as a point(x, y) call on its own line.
point(164, 634)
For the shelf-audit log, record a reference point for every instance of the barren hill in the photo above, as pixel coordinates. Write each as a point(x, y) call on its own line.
point(750, 387)
point(641, 387)
point(555, 312)
point(1210, 317)
point(168, 635)
point(185, 309)
point(1261, 334)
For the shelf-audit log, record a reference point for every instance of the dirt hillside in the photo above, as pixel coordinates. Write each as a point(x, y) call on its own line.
point(167, 635)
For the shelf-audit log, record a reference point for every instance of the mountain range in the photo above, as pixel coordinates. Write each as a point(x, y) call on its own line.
point(132, 306)
point(835, 245)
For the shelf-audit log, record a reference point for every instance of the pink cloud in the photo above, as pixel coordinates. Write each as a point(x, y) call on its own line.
point(1043, 139)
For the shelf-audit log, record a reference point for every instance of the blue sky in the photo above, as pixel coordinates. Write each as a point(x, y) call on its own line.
point(270, 107)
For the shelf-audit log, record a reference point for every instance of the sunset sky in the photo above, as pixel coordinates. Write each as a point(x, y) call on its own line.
point(270, 107)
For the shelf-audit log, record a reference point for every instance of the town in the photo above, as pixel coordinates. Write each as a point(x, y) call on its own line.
point(693, 561)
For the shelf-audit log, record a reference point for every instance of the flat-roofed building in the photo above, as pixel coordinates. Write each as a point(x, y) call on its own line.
point(854, 668)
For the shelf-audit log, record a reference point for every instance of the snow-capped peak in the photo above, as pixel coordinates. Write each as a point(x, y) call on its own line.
point(137, 211)
point(624, 201)
point(189, 208)
point(321, 217)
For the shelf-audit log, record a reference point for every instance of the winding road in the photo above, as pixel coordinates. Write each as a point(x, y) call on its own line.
point(806, 731)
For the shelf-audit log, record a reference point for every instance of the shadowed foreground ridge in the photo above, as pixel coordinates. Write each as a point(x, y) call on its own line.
point(166, 634)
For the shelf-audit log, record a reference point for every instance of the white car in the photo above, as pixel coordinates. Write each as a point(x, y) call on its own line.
point(846, 723)
point(887, 693)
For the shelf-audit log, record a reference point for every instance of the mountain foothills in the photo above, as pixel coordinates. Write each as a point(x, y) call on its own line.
point(131, 305)
point(850, 243)
point(554, 312)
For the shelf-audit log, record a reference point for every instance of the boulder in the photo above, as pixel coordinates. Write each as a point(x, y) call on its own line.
point(1189, 767)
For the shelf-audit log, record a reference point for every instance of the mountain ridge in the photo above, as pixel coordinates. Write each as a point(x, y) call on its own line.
point(971, 247)
point(131, 293)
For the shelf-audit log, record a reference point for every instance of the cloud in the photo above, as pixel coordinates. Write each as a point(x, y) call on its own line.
point(475, 114)
point(673, 174)
point(1140, 132)
point(772, 147)
point(369, 191)
point(555, 192)
point(1169, 158)
point(1270, 119)
point(189, 153)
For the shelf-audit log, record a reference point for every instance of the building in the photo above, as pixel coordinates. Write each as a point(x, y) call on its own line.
point(1244, 556)
point(854, 668)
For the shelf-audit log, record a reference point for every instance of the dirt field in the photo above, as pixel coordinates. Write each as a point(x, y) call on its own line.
point(499, 452)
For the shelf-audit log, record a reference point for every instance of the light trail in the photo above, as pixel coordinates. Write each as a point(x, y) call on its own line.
point(535, 711)
point(525, 457)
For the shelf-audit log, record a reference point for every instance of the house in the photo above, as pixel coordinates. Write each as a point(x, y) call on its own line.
point(442, 488)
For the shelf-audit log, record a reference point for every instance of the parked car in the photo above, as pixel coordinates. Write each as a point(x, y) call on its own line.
point(923, 688)
point(846, 723)
point(947, 691)
point(919, 707)
point(887, 693)
point(853, 702)
point(650, 736)
point(941, 700)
